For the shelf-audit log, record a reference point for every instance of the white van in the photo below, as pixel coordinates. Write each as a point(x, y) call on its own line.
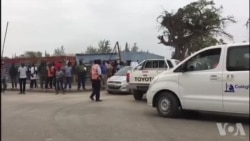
point(213, 79)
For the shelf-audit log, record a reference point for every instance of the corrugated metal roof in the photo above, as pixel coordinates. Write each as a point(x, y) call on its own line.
point(125, 56)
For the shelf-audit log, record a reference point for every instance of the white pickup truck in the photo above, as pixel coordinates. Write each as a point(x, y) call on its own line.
point(140, 76)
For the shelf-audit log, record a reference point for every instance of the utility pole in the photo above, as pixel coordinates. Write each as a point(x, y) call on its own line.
point(5, 38)
point(119, 51)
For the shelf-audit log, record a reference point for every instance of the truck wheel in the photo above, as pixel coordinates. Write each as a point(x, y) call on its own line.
point(137, 95)
point(110, 92)
point(167, 105)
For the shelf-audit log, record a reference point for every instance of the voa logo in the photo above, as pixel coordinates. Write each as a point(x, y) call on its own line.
point(231, 129)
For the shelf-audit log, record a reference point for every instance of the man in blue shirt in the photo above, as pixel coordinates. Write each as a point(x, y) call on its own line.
point(68, 75)
point(104, 71)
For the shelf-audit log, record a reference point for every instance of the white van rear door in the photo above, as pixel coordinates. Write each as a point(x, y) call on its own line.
point(236, 80)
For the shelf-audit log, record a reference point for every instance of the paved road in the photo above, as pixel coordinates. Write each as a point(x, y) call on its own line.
point(73, 117)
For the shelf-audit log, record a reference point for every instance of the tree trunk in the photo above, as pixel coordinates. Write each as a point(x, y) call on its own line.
point(179, 53)
point(176, 53)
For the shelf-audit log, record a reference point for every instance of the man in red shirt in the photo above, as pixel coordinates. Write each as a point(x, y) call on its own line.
point(58, 65)
point(96, 77)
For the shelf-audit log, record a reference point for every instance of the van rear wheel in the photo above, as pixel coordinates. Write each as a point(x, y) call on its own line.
point(167, 105)
point(137, 94)
point(110, 92)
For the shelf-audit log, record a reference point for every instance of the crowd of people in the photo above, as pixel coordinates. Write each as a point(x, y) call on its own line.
point(55, 75)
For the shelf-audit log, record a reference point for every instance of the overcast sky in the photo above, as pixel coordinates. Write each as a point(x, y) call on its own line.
point(39, 25)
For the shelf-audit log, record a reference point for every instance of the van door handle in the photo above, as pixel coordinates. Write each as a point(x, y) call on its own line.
point(214, 77)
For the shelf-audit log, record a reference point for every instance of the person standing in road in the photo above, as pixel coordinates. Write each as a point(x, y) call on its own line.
point(59, 80)
point(13, 73)
point(114, 64)
point(54, 74)
point(58, 65)
point(33, 75)
point(109, 69)
point(50, 71)
point(3, 78)
point(68, 75)
point(81, 70)
point(22, 70)
point(121, 65)
point(42, 71)
point(96, 77)
point(104, 73)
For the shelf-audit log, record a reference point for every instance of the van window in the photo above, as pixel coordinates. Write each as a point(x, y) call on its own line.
point(238, 58)
point(206, 60)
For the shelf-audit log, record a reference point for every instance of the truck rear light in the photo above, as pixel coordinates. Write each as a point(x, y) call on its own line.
point(127, 78)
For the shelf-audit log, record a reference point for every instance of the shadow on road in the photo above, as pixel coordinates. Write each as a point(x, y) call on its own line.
point(118, 94)
point(215, 117)
point(208, 117)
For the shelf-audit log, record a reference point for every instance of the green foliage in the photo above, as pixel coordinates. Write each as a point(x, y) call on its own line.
point(47, 55)
point(31, 54)
point(104, 47)
point(135, 48)
point(247, 23)
point(193, 27)
point(91, 50)
point(127, 48)
point(59, 51)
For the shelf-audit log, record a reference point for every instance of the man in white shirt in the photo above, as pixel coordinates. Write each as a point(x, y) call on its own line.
point(22, 70)
point(33, 74)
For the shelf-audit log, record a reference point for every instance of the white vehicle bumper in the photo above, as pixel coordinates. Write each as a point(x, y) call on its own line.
point(117, 88)
point(150, 95)
point(141, 87)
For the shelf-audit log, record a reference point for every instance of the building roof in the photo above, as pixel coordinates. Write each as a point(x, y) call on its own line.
point(125, 56)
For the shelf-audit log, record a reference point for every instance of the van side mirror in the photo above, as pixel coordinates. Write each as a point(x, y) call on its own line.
point(190, 68)
point(184, 68)
point(187, 68)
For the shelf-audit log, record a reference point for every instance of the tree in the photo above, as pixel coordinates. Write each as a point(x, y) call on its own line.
point(31, 54)
point(127, 48)
point(47, 55)
point(193, 27)
point(104, 47)
point(247, 23)
point(59, 51)
point(91, 50)
point(135, 48)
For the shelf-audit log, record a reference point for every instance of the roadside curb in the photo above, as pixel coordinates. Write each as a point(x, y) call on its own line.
point(50, 90)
